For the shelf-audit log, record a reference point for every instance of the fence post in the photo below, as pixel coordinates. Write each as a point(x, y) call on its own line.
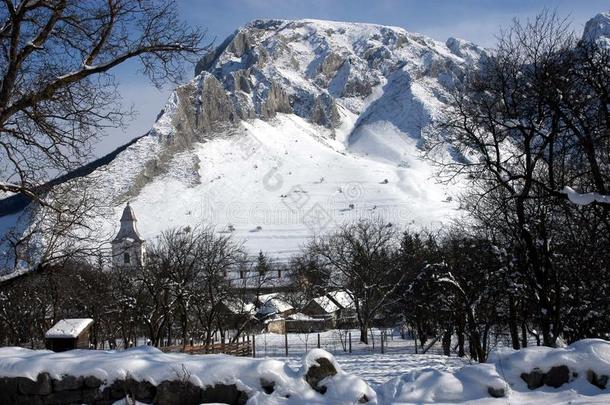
point(286, 341)
point(253, 345)
point(318, 340)
point(350, 342)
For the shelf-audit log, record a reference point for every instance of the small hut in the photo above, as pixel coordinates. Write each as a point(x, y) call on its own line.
point(69, 334)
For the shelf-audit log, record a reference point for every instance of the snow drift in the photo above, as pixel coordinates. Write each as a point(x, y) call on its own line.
point(586, 364)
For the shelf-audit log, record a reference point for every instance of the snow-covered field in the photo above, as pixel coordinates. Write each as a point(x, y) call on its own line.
point(365, 361)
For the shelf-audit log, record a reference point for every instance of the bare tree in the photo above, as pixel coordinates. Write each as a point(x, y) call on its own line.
point(192, 264)
point(64, 229)
point(531, 121)
point(57, 92)
point(359, 259)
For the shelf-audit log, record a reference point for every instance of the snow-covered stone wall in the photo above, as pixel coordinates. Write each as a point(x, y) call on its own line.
point(148, 375)
point(542, 375)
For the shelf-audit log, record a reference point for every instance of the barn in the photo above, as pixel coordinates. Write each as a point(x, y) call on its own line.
point(69, 334)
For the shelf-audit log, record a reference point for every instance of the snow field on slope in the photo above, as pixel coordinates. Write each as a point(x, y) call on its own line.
point(279, 183)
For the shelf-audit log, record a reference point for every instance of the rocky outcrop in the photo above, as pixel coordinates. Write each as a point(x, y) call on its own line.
point(212, 105)
point(357, 87)
point(306, 68)
point(465, 49)
point(599, 380)
point(242, 81)
point(276, 101)
point(534, 379)
point(240, 44)
point(205, 63)
point(325, 111)
point(323, 368)
point(597, 28)
point(555, 377)
point(332, 62)
point(496, 392)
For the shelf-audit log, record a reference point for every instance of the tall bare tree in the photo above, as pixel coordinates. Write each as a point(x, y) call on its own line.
point(359, 259)
point(531, 121)
point(57, 90)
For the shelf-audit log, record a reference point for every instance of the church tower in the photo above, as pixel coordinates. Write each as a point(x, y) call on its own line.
point(128, 248)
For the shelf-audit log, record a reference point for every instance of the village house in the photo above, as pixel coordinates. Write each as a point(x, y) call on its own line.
point(337, 307)
point(272, 305)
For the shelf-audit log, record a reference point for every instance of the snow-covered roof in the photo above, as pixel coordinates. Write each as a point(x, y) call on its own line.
point(274, 306)
point(334, 301)
point(342, 298)
point(253, 280)
point(266, 297)
point(69, 328)
point(326, 304)
point(238, 306)
point(302, 317)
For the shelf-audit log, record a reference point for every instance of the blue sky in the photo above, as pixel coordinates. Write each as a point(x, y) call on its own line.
point(475, 20)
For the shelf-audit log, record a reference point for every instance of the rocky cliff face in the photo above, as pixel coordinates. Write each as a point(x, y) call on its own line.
point(598, 28)
point(311, 68)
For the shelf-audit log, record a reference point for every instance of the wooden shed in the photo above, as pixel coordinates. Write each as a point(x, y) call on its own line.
point(69, 334)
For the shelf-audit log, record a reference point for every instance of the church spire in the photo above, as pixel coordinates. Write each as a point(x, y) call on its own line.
point(128, 228)
point(128, 247)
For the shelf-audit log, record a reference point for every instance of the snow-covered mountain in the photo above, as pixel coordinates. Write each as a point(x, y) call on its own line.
point(598, 28)
point(288, 129)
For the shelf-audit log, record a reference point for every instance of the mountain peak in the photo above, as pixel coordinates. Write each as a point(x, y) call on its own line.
point(314, 67)
point(598, 27)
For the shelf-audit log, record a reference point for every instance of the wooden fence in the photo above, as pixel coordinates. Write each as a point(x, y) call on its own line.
point(243, 349)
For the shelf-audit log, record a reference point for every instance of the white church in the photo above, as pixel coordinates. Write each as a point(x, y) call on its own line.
point(128, 247)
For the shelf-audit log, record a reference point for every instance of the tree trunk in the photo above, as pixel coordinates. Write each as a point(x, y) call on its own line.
point(364, 330)
point(460, 337)
point(512, 323)
point(472, 350)
point(447, 341)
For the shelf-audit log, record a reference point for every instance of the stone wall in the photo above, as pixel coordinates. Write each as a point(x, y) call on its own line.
point(91, 390)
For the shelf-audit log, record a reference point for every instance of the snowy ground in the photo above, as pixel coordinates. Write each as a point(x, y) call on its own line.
point(385, 372)
point(365, 361)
